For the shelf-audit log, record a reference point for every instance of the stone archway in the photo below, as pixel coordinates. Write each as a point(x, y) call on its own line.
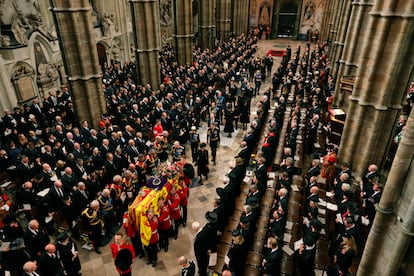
point(103, 58)
point(287, 19)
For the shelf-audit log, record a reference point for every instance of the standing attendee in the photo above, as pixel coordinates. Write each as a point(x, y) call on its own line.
point(35, 239)
point(30, 269)
point(229, 116)
point(49, 263)
point(164, 223)
point(93, 224)
point(152, 247)
point(237, 254)
point(15, 257)
point(174, 206)
point(213, 138)
point(272, 258)
point(67, 251)
point(123, 260)
point(187, 266)
point(202, 162)
point(194, 142)
point(205, 242)
point(183, 193)
point(133, 233)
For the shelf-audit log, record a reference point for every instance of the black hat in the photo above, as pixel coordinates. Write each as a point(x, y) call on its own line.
point(62, 237)
point(211, 217)
point(16, 244)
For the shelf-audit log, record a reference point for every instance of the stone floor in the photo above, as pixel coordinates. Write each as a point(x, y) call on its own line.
point(200, 201)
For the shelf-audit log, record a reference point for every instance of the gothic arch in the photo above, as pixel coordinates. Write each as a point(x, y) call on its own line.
point(287, 14)
point(116, 54)
point(102, 48)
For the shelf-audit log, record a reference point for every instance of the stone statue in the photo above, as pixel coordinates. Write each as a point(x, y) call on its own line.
point(165, 13)
point(4, 41)
point(108, 25)
point(37, 23)
point(19, 28)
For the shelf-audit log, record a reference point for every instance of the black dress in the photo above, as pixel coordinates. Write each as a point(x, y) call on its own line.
point(72, 266)
point(229, 126)
point(202, 162)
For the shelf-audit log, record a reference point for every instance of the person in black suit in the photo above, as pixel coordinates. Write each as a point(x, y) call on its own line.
point(49, 262)
point(236, 176)
point(110, 167)
point(69, 180)
point(205, 242)
point(36, 110)
point(56, 195)
point(24, 169)
point(261, 175)
point(35, 239)
point(314, 170)
point(132, 151)
point(13, 259)
point(237, 254)
point(253, 197)
point(30, 269)
point(277, 224)
point(222, 218)
point(81, 197)
point(307, 253)
point(373, 199)
point(283, 199)
point(272, 258)
point(244, 153)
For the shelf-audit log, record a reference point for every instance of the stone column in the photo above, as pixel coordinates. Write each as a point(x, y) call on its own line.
point(183, 31)
point(348, 63)
point(240, 16)
point(325, 27)
point(385, 69)
point(77, 42)
point(223, 19)
point(207, 23)
point(8, 98)
point(146, 28)
point(334, 32)
point(121, 18)
point(387, 243)
point(340, 41)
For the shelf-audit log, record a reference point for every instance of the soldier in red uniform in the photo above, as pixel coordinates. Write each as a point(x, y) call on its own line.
point(133, 235)
point(174, 205)
point(183, 194)
point(164, 223)
point(151, 248)
point(119, 244)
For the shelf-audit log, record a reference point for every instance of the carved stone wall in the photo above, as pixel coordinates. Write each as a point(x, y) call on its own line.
point(166, 21)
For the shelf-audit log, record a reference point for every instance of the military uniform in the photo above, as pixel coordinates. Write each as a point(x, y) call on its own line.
point(107, 210)
point(93, 224)
point(213, 137)
point(194, 142)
